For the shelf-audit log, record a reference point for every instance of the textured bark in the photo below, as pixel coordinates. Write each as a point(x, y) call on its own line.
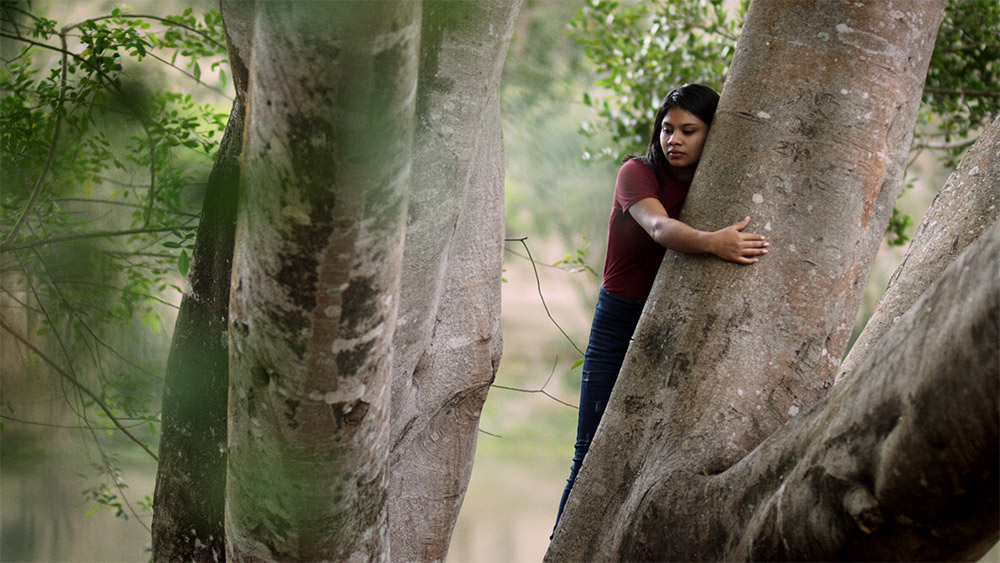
point(319, 242)
point(900, 462)
point(447, 342)
point(968, 203)
point(189, 502)
point(724, 355)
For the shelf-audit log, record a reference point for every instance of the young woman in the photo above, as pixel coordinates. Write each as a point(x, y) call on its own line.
point(648, 197)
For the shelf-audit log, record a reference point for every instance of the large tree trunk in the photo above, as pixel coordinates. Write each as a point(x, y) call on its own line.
point(900, 462)
point(327, 169)
point(319, 246)
point(188, 521)
point(447, 343)
point(809, 140)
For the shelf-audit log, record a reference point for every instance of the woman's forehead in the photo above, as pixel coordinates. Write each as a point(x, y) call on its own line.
point(678, 117)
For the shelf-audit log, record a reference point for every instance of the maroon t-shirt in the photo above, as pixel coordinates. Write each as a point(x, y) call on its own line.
point(633, 256)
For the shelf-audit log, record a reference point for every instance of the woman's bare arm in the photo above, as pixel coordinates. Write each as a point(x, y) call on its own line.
point(729, 243)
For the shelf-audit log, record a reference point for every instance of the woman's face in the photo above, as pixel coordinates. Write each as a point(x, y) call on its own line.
point(682, 136)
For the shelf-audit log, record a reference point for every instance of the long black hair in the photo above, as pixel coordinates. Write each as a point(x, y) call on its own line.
point(699, 100)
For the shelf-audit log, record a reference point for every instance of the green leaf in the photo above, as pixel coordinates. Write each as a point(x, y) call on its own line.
point(183, 263)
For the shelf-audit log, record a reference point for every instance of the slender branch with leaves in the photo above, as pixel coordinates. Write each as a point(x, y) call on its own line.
point(105, 125)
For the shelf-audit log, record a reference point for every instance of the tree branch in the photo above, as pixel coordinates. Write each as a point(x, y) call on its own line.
point(965, 93)
point(917, 479)
point(165, 21)
point(538, 282)
point(944, 146)
point(540, 389)
point(98, 234)
point(40, 182)
point(69, 377)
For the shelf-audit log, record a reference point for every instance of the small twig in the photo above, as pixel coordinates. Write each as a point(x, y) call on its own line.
point(519, 255)
point(70, 427)
point(69, 377)
point(40, 182)
point(152, 181)
point(969, 93)
point(945, 146)
point(538, 282)
point(123, 204)
point(189, 75)
point(542, 389)
point(98, 234)
point(166, 21)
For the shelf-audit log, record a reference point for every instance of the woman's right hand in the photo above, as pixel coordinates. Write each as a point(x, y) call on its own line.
point(732, 244)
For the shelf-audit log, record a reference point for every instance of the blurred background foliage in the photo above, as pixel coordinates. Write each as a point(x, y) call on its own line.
point(109, 122)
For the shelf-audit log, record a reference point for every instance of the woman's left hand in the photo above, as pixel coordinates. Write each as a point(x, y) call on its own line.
point(732, 244)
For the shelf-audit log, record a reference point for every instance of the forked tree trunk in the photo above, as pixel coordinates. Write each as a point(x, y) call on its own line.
point(319, 246)
point(809, 140)
point(327, 163)
point(900, 462)
point(917, 478)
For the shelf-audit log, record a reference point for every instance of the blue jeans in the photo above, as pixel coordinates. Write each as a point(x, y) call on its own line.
point(615, 318)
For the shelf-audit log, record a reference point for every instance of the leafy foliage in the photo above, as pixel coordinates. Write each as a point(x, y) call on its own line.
point(641, 49)
point(100, 203)
point(961, 94)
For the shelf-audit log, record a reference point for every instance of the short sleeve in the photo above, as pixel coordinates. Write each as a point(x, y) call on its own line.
point(635, 182)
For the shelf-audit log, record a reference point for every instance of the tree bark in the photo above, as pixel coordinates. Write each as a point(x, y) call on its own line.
point(724, 355)
point(448, 342)
point(317, 269)
point(319, 244)
point(968, 203)
point(189, 501)
point(899, 462)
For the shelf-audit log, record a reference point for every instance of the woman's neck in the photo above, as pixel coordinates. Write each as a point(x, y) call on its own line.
point(681, 174)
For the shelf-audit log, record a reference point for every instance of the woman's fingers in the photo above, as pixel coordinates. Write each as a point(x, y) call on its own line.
point(754, 243)
point(744, 248)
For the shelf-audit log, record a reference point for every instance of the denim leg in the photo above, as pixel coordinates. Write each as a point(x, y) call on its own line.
point(614, 322)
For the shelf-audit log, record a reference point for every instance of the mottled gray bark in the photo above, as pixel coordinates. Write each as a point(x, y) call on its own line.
point(319, 243)
point(900, 462)
point(447, 342)
point(327, 169)
point(968, 203)
point(809, 140)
